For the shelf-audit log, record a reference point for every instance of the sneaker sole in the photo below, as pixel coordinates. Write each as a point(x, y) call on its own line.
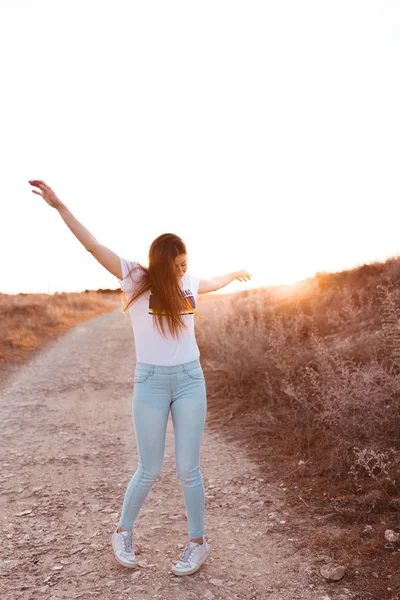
point(180, 573)
point(128, 566)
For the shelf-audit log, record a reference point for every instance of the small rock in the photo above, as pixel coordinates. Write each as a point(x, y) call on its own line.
point(244, 489)
point(208, 595)
point(136, 574)
point(94, 534)
point(23, 513)
point(391, 536)
point(333, 572)
point(216, 581)
point(110, 583)
point(58, 567)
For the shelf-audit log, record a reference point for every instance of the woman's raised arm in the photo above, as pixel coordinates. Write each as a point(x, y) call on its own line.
point(216, 283)
point(106, 257)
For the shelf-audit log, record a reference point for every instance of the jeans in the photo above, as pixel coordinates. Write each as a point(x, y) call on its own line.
point(157, 389)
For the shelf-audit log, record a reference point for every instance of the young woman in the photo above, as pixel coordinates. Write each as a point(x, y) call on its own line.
point(168, 376)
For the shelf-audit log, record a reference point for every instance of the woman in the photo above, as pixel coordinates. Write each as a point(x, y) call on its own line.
point(168, 376)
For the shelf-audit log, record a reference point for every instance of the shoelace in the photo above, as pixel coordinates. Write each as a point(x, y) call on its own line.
point(127, 541)
point(187, 552)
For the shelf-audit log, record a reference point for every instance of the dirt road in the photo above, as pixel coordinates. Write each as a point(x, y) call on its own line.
point(68, 451)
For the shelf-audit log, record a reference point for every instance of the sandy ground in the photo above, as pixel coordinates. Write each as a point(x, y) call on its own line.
point(68, 451)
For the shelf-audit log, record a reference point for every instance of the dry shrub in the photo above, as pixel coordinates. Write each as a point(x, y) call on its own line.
point(323, 362)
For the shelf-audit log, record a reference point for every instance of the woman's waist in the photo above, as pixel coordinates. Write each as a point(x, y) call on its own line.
point(169, 369)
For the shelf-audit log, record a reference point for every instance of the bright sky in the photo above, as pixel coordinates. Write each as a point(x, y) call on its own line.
point(264, 133)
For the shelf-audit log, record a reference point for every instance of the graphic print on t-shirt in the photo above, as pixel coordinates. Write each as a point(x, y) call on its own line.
point(187, 311)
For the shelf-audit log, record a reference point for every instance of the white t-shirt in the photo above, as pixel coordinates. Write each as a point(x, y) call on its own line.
point(151, 347)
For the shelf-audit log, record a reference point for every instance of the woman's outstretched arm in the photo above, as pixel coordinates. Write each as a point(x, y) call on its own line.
point(106, 257)
point(216, 283)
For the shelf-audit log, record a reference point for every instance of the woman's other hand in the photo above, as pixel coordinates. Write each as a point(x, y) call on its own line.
point(243, 276)
point(47, 193)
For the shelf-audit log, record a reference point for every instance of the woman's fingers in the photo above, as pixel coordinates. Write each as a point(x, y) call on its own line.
point(46, 193)
point(40, 184)
point(243, 276)
point(46, 189)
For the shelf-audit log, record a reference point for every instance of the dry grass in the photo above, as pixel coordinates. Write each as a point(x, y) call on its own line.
point(313, 371)
point(27, 321)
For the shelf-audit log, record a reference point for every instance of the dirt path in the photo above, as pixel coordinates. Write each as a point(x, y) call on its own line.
point(68, 451)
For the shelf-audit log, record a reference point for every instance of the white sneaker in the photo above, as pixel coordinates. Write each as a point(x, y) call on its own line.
point(192, 558)
point(122, 544)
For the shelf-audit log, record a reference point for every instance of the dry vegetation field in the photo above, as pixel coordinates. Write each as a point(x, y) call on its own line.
point(312, 372)
point(27, 321)
point(305, 376)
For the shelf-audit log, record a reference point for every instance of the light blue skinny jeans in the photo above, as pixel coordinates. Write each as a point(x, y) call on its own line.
point(157, 390)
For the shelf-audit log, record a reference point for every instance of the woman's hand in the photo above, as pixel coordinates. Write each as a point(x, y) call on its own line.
point(46, 193)
point(243, 276)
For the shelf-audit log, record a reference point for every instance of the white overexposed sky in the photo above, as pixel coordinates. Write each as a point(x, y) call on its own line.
point(264, 133)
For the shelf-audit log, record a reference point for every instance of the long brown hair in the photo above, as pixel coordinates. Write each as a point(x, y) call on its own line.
point(167, 298)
